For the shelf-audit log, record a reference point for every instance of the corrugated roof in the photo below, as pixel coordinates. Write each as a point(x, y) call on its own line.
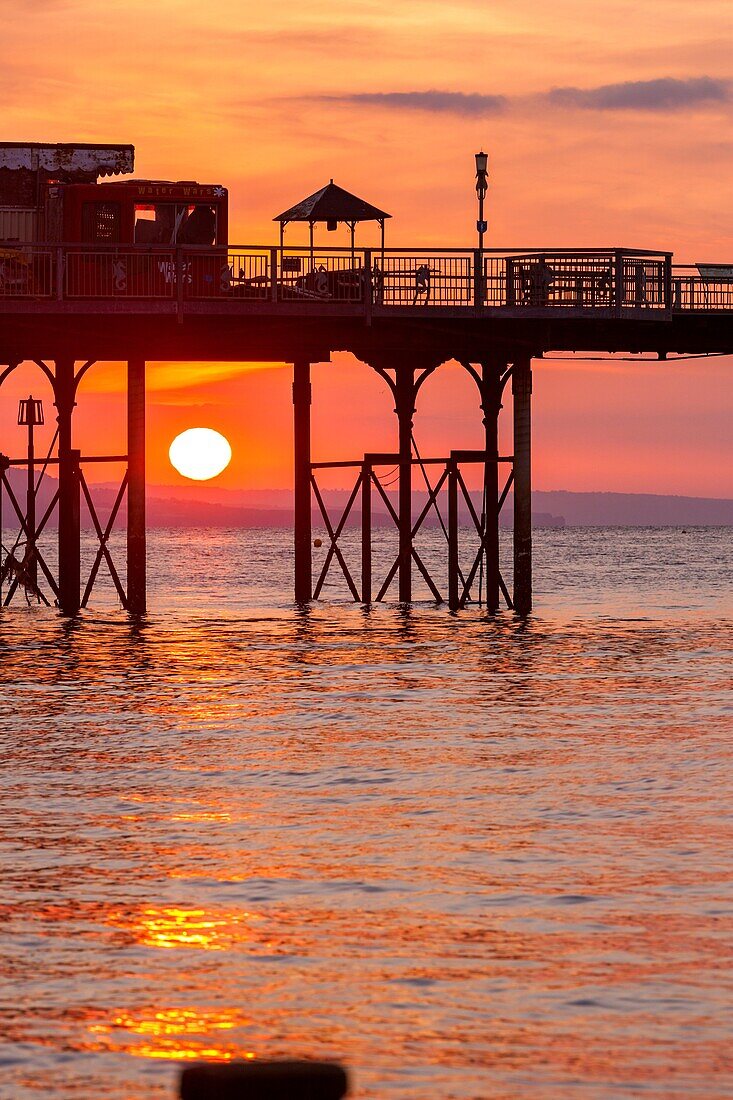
point(67, 160)
point(332, 203)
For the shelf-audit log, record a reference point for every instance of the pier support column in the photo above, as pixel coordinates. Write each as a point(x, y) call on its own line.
point(136, 533)
point(405, 409)
point(69, 518)
point(302, 485)
point(522, 393)
point(454, 597)
point(366, 531)
point(491, 407)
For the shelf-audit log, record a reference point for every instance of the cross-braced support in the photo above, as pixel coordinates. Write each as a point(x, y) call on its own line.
point(21, 570)
point(404, 381)
point(482, 571)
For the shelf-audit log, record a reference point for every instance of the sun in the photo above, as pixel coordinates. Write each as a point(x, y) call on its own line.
point(200, 453)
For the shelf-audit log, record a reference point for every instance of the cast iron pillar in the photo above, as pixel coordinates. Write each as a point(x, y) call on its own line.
point(491, 407)
point(366, 531)
point(136, 534)
point(302, 499)
point(522, 392)
point(405, 409)
point(69, 519)
point(454, 593)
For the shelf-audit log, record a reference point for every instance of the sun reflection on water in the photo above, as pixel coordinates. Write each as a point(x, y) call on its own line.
point(188, 928)
point(170, 1034)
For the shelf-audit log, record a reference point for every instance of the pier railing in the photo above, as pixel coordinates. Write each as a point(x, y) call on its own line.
point(703, 288)
point(614, 281)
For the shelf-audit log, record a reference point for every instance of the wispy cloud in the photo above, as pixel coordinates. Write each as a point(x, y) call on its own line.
point(471, 104)
point(662, 94)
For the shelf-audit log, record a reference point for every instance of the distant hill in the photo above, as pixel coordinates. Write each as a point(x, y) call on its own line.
point(635, 509)
point(209, 506)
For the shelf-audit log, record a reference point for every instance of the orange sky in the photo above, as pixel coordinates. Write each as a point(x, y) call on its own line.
point(607, 124)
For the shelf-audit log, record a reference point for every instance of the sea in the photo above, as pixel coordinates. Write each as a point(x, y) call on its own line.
point(468, 856)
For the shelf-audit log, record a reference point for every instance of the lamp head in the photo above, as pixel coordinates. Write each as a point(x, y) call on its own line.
point(30, 412)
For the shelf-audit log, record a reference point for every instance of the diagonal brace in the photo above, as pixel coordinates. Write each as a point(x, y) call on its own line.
point(334, 536)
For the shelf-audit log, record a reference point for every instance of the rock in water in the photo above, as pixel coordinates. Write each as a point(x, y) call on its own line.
point(265, 1081)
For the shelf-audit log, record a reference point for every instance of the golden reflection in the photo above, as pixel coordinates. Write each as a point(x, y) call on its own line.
point(170, 1034)
point(174, 927)
point(203, 815)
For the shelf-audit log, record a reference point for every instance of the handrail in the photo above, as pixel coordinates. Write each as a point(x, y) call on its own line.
point(614, 281)
point(421, 250)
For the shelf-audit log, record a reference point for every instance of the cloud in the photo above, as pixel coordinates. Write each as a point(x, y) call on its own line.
point(662, 94)
point(469, 104)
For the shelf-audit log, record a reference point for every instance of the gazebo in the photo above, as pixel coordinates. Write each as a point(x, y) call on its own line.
point(332, 204)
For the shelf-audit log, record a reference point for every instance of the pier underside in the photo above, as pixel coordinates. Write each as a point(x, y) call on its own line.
point(496, 348)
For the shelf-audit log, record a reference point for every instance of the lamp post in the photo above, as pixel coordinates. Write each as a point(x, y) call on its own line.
point(30, 415)
point(482, 186)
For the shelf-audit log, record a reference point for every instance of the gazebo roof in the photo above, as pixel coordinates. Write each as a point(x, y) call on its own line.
point(330, 204)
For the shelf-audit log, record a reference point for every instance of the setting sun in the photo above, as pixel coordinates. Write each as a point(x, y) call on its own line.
point(200, 453)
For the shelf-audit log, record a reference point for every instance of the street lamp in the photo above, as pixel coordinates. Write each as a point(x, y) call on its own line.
point(482, 186)
point(30, 416)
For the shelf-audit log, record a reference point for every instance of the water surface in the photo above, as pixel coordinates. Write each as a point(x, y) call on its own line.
point(472, 857)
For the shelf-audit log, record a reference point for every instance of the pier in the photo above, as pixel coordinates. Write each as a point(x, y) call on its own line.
point(402, 312)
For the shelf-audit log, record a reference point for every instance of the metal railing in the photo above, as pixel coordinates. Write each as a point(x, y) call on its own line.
point(580, 280)
point(703, 288)
point(404, 279)
point(302, 276)
point(27, 271)
point(614, 281)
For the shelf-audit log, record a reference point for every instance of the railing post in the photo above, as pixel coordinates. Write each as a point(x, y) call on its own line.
point(179, 283)
point(618, 280)
point(273, 274)
point(509, 293)
point(366, 531)
point(59, 273)
point(668, 300)
point(453, 592)
point(478, 279)
point(367, 285)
